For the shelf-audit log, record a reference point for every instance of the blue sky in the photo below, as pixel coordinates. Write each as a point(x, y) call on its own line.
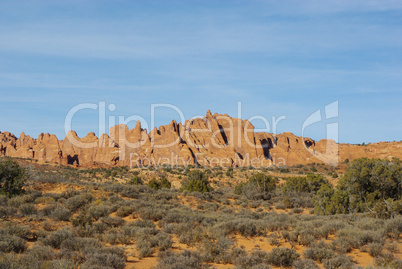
point(278, 58)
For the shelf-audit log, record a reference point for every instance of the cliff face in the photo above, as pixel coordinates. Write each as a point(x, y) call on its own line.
point(215, 140)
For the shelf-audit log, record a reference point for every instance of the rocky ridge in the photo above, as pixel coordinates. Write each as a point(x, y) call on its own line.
point(214, 140)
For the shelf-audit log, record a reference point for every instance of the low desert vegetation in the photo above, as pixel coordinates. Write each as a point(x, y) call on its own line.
point(59, 217)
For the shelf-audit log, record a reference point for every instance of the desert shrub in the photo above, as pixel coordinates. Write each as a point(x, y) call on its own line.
point(393, 227)
point(57, 237)
point(188, 234)
point(48, 226)
point(280, 205)
point(164, 241)
point(297, 210)
point(103, 260)
point(230, 255)
point(17, 201)
point(140, 233)
point(244, 226)
point(388, 260)
point(45, 200)
point(358, 238)
point(17, 261)
point(210, 206)
point(11, 177)
point(196, 181)
point(318, 253)
point(61, 213)
point(110, 237)
point(273, 240)
point(124, 238)
point(12, 228)
point(3, 200)
point(80, 244)
point(112, 221)
point(47, 210)
point(124, 211)
point(6, 211)
point(151, 213)
point(257, 187)
point(256, 259)
point(176, 216)
point(99, 211)
point(339, 261)
point(27, 209)
point(62, 264)
point(341, 245)
point(12, 243)
point(143, 223)
point(215, 250)
point(82, 220)
point(282, 257)
point(78, 201)
point(305, 264)
point(41, 253)
point(144, 249)
point(184, 259)
point(374, 249)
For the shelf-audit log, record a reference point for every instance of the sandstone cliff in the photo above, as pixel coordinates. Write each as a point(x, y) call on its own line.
point(214, 140)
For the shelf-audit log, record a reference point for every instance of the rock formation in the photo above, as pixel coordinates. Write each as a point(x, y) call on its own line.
point(214, 140)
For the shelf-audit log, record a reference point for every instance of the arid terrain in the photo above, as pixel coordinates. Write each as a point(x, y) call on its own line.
point(191, 217)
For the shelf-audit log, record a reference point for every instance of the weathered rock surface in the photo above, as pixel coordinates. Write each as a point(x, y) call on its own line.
point(214, 140)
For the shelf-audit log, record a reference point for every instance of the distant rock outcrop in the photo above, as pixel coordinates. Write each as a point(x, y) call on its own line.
point(214, 140)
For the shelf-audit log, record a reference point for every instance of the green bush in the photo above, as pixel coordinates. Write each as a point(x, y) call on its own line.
point(11, 178)
point(158, 184)
point(368, 185)
point(135, 180)
point(196, 181)
point(165, 183)
point(257, 187)
point(310, 183)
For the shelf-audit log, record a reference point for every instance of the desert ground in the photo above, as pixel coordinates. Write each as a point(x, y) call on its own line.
point(146, 217)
